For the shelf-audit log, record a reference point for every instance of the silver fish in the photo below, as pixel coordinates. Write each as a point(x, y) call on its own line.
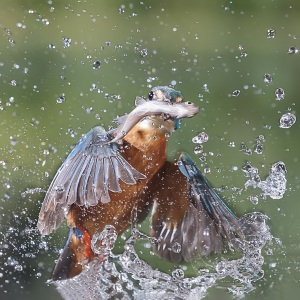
point(147, 108)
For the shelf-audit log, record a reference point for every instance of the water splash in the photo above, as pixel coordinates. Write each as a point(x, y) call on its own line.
point(126, 276)
point(275, 184)
point(102, 243)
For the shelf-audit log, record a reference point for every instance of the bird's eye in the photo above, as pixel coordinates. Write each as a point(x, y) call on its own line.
point(150, 95)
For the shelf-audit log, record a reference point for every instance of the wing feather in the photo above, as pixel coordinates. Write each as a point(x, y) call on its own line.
point(89, 173)
point(189, 214)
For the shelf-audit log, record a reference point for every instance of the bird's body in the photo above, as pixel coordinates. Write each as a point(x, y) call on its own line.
point(147, 155)
point(101, 182)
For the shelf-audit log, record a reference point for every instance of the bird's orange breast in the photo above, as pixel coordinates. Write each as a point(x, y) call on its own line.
point(144, 148)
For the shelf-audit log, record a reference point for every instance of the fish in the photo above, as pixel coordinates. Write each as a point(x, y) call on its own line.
point(144, 108)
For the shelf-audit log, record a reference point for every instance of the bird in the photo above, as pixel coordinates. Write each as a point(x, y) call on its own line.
point(110, 174)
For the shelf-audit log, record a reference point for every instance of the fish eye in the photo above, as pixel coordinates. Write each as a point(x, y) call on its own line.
point(189, 103)
point(150, 95)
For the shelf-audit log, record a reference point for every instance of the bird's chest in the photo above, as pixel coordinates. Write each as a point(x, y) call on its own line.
point(144, 147)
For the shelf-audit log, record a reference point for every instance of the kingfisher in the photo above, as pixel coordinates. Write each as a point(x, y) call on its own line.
point(109, 174)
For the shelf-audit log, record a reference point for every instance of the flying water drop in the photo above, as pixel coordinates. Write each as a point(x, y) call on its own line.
point(200, 138)
point(279, 93)
point(293, 50)
point(271, 33)
point(287, 120)
point(67, 42)
point(268, 78)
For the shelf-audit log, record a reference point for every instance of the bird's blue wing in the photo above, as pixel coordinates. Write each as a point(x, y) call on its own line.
point(201, 193)
point(91, 170)
point(188, 218)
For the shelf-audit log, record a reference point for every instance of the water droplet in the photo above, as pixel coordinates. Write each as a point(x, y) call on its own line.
point(7, 31)
point(205, 88)
point(13, 82)
point(178, 274)
point(122, 9)
point(13, 141)
point(206, 232)
point(67, 42)
point(51, 46)
point(200, 138)
point(271, 33)
point(103, 242)
point(59, 189)
point(259, 147)
point(293, 50)
point(144, 52)
point(198, 149)
point(96, 64)
point(45, 21)
point(245, 149)
point(89, 110)
point(11, 41)
point(268, 78)
point(183, 51)
point(61, 99)
point(253, 199)
point(18, 268)
point(206, 170)
point(176, 247)
point(279, 93)
point(235, 93)
point(287, 120)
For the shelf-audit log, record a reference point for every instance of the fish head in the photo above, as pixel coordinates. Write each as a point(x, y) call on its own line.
point(173, 111)
point(186, 109)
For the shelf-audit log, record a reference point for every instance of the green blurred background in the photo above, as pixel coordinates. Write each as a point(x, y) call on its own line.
point(51, 94)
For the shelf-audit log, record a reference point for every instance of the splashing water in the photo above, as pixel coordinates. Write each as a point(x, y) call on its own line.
point(102, 243)
point(275, 184)
point(126, 276)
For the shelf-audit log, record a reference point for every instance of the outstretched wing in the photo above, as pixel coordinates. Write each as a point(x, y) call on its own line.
point(188, 218)
point(91, 170)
